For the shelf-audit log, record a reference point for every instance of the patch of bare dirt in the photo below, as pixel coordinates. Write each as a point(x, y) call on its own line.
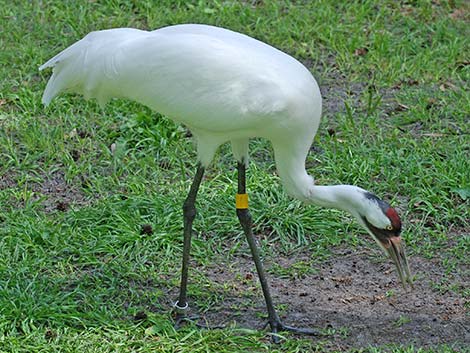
point(335, 94)
point(52, 190)
point(6, 182)
point(356, 294)
point(338, 91)
point(59, 195)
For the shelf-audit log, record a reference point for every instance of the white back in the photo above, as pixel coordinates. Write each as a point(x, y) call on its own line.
point(209, 78)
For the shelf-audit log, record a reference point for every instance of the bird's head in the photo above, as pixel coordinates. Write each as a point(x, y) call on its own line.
point(383, 223)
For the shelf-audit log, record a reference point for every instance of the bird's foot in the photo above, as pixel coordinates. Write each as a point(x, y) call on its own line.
point(277, 326)
point(181, 318)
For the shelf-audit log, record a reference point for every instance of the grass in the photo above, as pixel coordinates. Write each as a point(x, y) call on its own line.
point(77, 183)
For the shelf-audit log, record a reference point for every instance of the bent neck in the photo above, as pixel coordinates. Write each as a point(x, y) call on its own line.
point(302, 186)
point(290, 164)
point(343, 197)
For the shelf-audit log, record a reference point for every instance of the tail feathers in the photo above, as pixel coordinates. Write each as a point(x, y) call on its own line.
point(67, 69)
point(88, 66)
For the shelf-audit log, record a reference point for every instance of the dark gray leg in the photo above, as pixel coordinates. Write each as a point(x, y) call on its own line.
point(246, 223)
point(189, 212)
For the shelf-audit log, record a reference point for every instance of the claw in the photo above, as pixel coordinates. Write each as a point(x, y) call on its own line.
point(277, 326)
point(302, 331)
point(181, 319)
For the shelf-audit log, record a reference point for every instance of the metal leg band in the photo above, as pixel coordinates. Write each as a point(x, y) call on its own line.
point(181, 308)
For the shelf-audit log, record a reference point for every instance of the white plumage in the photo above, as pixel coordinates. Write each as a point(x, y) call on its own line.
point(225, 87)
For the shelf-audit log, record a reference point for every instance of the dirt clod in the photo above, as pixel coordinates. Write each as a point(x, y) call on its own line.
point(62, 206)
point(140, 316)
point(50, 335)
point(146, 229)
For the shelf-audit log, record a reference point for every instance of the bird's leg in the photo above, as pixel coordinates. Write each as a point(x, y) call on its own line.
point(246, 223)
point(189, 212)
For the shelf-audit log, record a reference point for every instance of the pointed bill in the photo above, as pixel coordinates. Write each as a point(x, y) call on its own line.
point(397, 253)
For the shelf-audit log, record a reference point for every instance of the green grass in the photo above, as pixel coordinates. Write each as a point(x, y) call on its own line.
point(73, 280)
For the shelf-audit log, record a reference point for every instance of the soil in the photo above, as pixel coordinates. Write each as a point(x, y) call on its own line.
point(355, 296)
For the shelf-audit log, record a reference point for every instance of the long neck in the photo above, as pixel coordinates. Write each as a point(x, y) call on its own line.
point(290, 163)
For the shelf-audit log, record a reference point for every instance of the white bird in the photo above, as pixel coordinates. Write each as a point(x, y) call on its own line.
point(225, 87)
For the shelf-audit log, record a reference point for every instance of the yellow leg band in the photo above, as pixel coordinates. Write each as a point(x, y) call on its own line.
point(241, 201)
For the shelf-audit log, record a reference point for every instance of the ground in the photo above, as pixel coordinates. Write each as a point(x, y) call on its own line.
point(356, 296)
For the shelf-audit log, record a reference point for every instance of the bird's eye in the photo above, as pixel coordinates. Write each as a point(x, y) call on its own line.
point(390, 227)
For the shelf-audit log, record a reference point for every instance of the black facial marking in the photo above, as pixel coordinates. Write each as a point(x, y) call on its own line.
point(383, 234)
point(384, 206)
